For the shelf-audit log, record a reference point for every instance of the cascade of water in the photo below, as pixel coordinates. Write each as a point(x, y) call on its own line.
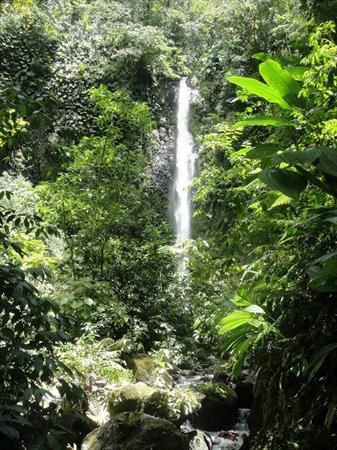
point(184, 169)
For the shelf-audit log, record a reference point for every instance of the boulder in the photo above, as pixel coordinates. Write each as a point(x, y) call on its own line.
point(201, 441)
point(129, 398)
point(143, 368)
point(174, 405)
point(219, 407)
point(244, 391)
point(134, 431)
point(158, 405)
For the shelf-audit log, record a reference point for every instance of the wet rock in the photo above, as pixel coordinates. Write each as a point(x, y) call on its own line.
point(143, 368)
point(129, 398)
point(244, 391)
point(219, 407)
point(201, 441)
point(133, 431)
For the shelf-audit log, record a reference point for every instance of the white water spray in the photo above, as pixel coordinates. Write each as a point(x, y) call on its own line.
point(184, 170)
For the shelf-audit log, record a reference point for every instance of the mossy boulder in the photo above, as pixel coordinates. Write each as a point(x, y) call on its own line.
point(133, 431)
point(129, 398)
point(143, 368)
point(174, 405)
point(221, 374)
point(219, 407)
point(158, 405)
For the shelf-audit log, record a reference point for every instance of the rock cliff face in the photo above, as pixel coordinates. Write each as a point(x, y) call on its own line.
point(163, 142)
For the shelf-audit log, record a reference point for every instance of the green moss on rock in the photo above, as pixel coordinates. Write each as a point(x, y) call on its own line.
point(129, 398)
point(133, 431)
point(143, 368)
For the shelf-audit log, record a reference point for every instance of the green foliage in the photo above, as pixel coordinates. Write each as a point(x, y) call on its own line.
point(265, 210)
point(93, 360)
point(245, 328)
point(31, 327)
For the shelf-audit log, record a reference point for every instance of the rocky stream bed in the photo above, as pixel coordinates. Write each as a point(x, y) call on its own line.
point(140, 416)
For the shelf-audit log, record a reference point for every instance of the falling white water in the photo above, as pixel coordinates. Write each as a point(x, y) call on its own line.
point(184, 170)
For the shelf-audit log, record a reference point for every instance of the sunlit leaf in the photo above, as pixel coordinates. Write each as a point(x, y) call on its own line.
point(280, 80)
point(265, 121)
point(262, 90)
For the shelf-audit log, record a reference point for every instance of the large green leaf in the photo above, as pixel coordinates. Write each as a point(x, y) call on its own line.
point(262, 90)
point(241, 351)
point(234, 337)
point(325, 257)
point(281, 200)
point(328, 161)
point(305, 157)
point(263, 151)
point(235, 320)
point(330, 267)
point(265, 121)
point(319, 358)
point(279, 80)
point(297, 72)
point(286, 181)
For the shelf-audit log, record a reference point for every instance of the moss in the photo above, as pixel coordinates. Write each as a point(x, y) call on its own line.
point(130, 431)
point(129, 398)
point(158, 405)
point(219, 391)
point(143, 368)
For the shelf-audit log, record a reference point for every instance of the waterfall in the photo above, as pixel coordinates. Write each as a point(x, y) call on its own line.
point(184, 170)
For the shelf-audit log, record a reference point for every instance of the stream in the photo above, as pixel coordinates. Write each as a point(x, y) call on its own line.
point(222, 439)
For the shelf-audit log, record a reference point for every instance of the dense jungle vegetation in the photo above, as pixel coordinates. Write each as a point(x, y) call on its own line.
point(88, 280)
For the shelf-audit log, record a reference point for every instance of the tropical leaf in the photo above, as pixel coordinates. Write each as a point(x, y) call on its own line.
point(328, 161)
point(236, 336)
point(331, 411)
point(297, 72)
point(262, 90)
point(10, 432)
point(281, 201)
point(263, 151)
point(326, 257)
point(330, 267)
point(319, 358)
point(305, 157)
point(265, 121)
point(235, 320)
point(279, 80)
point(241, 352)
point(288, 182)
point(241, 301)
point(255, 309)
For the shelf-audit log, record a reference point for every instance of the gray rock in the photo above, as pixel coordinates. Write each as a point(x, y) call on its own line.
point(201, 441)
